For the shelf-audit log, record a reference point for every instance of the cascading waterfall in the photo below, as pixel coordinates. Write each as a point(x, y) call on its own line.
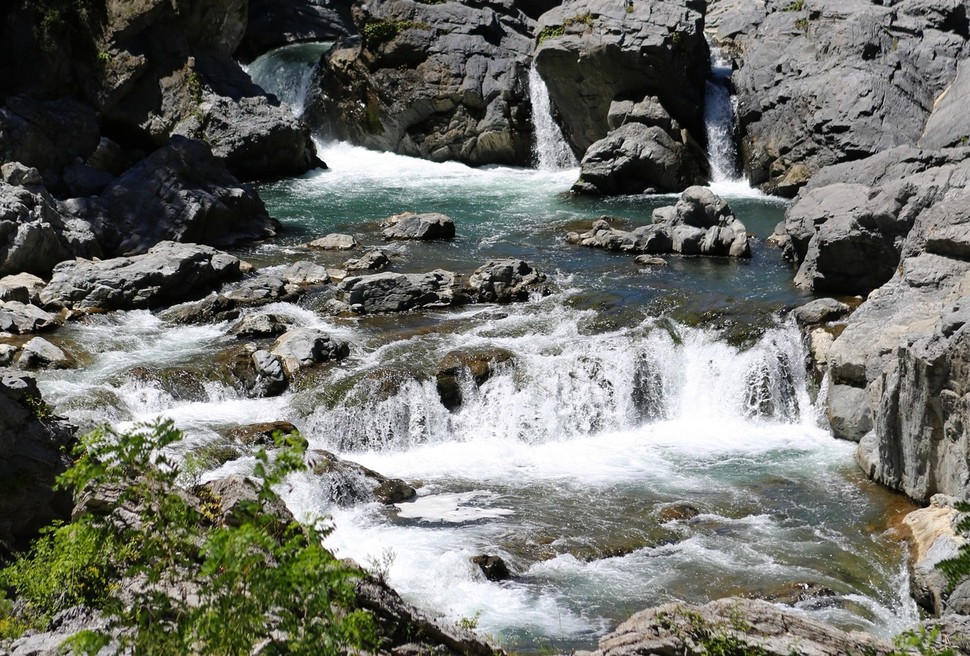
point(719, 121)
point(550, 152)
point(287, 72)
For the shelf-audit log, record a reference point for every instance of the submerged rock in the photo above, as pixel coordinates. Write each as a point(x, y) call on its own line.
point(424, 226)
point(347, 483)
point(167, 273)
point(475, 366)
point(492, 567)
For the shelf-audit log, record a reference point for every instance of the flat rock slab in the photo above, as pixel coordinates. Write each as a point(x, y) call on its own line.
point(334, 242)
point(167, 273)
point(20, 319)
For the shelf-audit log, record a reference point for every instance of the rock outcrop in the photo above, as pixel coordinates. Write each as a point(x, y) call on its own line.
point(442, 81)
point(303, 20)
point(932, 538)
point(592, 53)
point(827, 81)
point(700, 223)
point(505, 281)
point(32, 455)
point(748, 625)
point(167, 273)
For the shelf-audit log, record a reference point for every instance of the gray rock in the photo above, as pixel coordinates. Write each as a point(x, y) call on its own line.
point(609, 54)
point(303, 21)
point(847, 409)
point(262, 324)
point(438, 80)
point(255, 138)
point(505, 281)
point(424, 226)
point(398, 292)
point(700, 223)
point(21, 319)
point(303, 347)
point(7, 353)
point(637, 158)
point(932, 538)
point(261, 289)
point(22, 287)
point(304, 274)
point(64, 625)
point(213, 308)
point(949, 124)
point(458, 371)
point(334, 242)
point(373, 260)
point(819, 311)
point(33, 445)
point(167, 273)
point(38, 353)
point(271, 379)
point(751, 625)
point(650, 261)
point(346, 483)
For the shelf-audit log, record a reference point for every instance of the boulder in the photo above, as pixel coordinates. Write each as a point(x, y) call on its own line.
point(505, 281)
point(459, 369)
point(819, 311)
point(165, 274)
point(38, 353)
point(20, 319)
point(262, 324)
point(33, 452)
point(261, 434)
point(949, 124)
point(213, 308)
point(424, 226)
point(748, 625)
point(34, 236)
point(256, 138)
point(635, 159)
point(372, 260)
point(932, 538)
point(334, 242)
point(21, 287)
point(346, 483)
point(827, 81)
point(257, 372)
point(180, 193)
point(594, 52)
point(650, 261)
point(303, 274)
point(261, 289)
point(303, 347)
point(492, 567)
point(269, 28)
point(397, 292)
point(700, 223)
point(848, 411)
point(438, 80)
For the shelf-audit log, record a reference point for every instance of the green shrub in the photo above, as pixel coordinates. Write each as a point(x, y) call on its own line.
point(377, 33)
point(257, 583)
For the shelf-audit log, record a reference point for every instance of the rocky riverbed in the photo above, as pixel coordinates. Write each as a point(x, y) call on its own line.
point(159, 258)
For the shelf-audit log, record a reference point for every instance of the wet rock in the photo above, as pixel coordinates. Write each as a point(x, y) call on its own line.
point(21, 319)
point(167, 273)
point(334, 242)
point(700, 223)
point(21, 287)
point(493, 567)
point(33, 451)
point(397, 292)
point(373, 260)
point(505, 281)
point(438, 80)
point(475, 366)
point(303, 347)
point(263, 324)
point(872, 71)
point(932, 538)
point(792, 594)
point(679, 511)
point(271, 379)
point(656, 50)
point(819, 311)
point(347, 483)
point(765, 629)
point(261, 434)
point(214, 308)
point(636, 159)
point(38, 353)
point(650, 261)
point(180, 383)
point(424, 226)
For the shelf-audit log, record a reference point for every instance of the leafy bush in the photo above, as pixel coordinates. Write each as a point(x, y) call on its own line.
point(172, 577)
point(377, 33)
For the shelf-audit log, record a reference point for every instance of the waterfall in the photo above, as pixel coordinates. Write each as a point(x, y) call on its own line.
point(550, 152)
point(719, 121)
point(286, 72)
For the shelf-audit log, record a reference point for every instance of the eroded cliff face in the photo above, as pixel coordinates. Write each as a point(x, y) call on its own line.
point(828, 81)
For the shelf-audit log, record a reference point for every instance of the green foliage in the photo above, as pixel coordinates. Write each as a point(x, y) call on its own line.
point(553, 31)
point(698, 635)
point(190, 583)
point(795, 5)
point(38, 407)
point(469, 623)
point(802, 24)
point(922, 641)
point(61, 19)
point(377, 33)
